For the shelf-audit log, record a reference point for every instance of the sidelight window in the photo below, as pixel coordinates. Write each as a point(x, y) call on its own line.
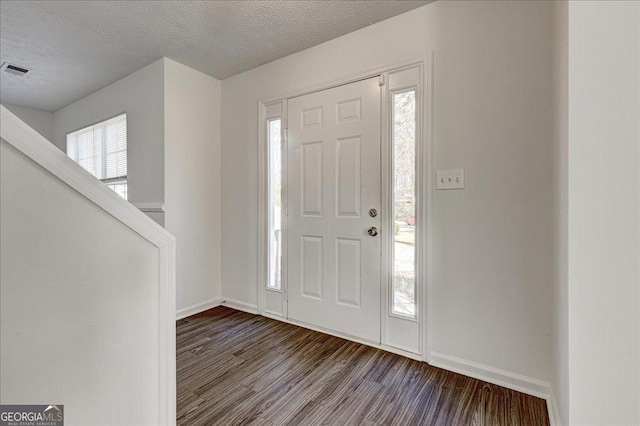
point(274, 128)
point(404, 203)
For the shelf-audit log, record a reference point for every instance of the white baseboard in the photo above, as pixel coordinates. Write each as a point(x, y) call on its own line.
point(554, 412)
point(241, 306)
point(197, 308)
point(504, 378)
point(493, 375)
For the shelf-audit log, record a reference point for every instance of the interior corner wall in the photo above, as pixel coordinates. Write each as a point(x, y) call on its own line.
point(192, 182)
point(493, 243)
point(173, 120)
point(604, 213)
point(140, 95)
point(560, 327)
point(40, 121)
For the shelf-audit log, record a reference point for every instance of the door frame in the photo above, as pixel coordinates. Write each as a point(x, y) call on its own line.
point(424, 181)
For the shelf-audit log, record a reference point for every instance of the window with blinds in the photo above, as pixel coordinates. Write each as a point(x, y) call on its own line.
point(101, 149)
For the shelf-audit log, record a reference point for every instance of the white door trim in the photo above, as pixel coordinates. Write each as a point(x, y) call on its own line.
point(399, 331)
point(425, 126)
point(419, 59)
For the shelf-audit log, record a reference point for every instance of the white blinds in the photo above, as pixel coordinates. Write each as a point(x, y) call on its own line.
point(101, 149)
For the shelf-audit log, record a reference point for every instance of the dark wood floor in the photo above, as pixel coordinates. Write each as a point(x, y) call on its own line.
point(238, 368)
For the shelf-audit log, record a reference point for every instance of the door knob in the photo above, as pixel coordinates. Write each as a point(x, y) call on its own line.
point(373, 231)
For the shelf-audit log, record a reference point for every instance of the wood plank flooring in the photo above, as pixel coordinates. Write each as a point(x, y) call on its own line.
point(236, 368)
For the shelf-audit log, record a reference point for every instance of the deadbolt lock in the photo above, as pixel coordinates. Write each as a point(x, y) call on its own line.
point(373, 212)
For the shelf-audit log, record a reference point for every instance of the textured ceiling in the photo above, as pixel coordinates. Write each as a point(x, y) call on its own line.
point(76, 47)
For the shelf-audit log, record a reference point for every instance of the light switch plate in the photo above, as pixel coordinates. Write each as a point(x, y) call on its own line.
point(450, 179)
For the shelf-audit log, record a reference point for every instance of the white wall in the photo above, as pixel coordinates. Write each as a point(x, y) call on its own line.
point(141, 96)
point(73, 279)
point(493, 259)
point(604, 213)
point(40, 121)
point(192, 182)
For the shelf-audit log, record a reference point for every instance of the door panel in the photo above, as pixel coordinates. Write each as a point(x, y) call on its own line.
point(333, 181)
point(348, 169)
point(311, 266)
point(312, 179)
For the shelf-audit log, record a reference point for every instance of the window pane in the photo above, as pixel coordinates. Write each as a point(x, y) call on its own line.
point(120, 188)
point(85, 145)
point(275, 204)
point(404, 203)
point(101, 149)
point(116, 165)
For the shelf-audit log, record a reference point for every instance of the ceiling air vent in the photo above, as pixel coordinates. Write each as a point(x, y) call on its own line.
point(14, 69)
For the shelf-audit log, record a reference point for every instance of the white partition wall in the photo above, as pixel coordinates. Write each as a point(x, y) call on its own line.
point(192, 183)
point(87, 290)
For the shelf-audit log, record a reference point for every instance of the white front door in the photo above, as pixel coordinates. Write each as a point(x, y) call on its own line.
point(333, 207)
